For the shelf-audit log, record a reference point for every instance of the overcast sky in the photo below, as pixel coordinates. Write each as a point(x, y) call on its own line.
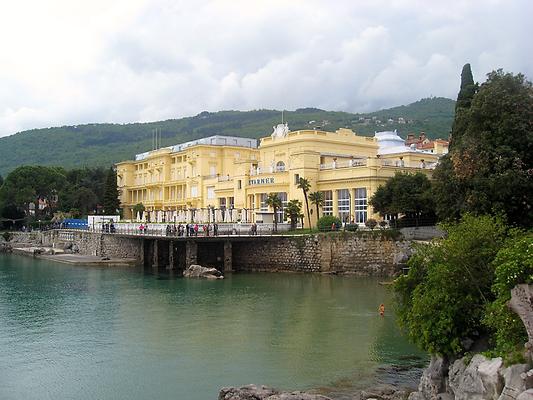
point(73, 61)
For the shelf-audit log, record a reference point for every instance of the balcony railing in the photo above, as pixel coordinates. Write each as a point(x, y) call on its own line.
point(403, 164)
point(343, 164)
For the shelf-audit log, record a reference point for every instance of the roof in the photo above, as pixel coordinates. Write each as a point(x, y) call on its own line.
point(216, 140)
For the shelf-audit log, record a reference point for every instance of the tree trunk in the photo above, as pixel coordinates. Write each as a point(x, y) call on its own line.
point(275, 219)
point(522, 304)
point(307, 208)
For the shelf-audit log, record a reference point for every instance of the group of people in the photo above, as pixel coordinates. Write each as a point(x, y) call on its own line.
point(192, 229)
point(108, 227)
point(253, 229)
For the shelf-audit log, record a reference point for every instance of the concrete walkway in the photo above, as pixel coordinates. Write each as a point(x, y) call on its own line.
point(75, 259)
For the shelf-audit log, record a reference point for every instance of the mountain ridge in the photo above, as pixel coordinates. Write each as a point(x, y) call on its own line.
point(102, 144)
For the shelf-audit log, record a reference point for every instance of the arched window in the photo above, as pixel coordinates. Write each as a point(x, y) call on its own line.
point(280, 166)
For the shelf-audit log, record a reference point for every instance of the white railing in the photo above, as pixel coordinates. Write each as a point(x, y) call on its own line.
point(225, 178)
point(403, 164)
point(344, 164)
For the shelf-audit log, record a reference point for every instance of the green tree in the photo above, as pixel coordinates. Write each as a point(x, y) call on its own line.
point(1, 180)
point(326, 222)
point(111, 201)
point(138, 209)
point(513, 265)
point(491, 160)
point(464, 100)
point(274, 201)
point(408, 194)
point(317, 198)
point(441, 301)
point(294, 210)
point(303, 183)
point(29, 184)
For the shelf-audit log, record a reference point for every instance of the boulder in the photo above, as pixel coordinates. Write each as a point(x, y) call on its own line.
point(433, 380)
point(515, 382)
point(197, 271)
point(480, 380)
point(522, 303)
point(455, 375)
point(526, 395)
point(249, 392)
point(416, 396)
point(297, 396)
point(254, 392)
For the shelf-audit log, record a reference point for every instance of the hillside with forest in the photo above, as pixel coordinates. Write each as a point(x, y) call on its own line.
point(103, 144)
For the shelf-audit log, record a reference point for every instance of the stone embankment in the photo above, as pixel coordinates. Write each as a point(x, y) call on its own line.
point(359, 253)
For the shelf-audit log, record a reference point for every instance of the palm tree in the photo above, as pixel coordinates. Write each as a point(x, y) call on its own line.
point(294, 210)
point(304, 184)
point(317, 198)
point(274, 201)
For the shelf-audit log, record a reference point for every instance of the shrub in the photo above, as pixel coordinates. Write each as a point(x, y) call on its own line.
point(371, 223)
point(351, 227)
point(7, 236)
point(442, 299)
point(513, 265)
point(325, 222)
point(383, 224)
point(392, 234)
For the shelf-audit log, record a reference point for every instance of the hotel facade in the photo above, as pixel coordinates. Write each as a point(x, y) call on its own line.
point(227, 179)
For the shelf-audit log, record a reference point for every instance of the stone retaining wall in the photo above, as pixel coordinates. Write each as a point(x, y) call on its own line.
point(342, 252)
point(366, 254)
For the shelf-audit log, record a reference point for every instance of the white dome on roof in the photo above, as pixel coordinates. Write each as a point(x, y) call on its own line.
point(389, 139)
point(390, 142)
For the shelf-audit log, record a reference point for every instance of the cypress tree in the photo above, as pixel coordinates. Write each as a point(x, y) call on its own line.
point(462, 106)
point(111, 202)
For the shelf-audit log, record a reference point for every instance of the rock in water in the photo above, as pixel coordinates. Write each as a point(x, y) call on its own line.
point(254, 392)
point(249, 392)
point(197, 271)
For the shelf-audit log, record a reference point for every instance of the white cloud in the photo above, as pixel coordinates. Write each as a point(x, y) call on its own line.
point(70, 62)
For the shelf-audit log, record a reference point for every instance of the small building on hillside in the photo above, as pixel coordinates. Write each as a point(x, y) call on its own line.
point(422, 142)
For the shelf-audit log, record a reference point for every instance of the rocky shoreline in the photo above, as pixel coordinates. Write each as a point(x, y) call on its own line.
point(255, 392)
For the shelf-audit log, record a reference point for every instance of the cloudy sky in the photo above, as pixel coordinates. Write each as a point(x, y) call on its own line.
point(79, 61)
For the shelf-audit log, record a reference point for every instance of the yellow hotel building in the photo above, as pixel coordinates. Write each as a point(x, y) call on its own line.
point(227, 178)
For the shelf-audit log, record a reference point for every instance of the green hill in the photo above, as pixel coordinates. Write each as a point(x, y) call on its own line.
point(104, 144)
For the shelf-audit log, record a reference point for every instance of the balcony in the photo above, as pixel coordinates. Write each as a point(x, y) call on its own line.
point(344, 164)
point(403, 164)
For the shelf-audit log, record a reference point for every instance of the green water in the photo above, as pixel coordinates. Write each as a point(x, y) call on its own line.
point(90, 333)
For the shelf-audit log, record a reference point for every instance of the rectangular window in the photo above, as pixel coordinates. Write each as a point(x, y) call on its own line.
point(263, 205)
point(281, 213)
point(327, 208)
point(210, 192)
point(361, 206)
point(212, 170)
point(222, 202)
point(194, 191)
point(296, 179)
point(343, 204)
point(232, 202)
point(239, 184)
